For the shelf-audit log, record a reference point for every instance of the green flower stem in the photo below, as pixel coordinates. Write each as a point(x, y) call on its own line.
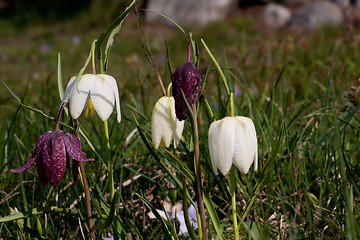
point(109, 161)
point(233, 201)
point(87, 198)
point(232, 104)
point(168, 90)
point(93, 60)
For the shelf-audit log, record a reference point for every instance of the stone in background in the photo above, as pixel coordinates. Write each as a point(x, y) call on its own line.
point(276, 15)
point(190, 12)
point(317, 14)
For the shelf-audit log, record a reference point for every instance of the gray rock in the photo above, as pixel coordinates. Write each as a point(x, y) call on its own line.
point(276, 15)
point(294, 2)
point(317, 14)
point(342, 3)
point(186, 12)
point(356, 4)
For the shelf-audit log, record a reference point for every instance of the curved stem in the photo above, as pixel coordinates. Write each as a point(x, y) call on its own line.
point(87, 198)
point(148, 53)
point(198, 174)
point(86, 186)
point(168, 89)
point(62, 106)
point(233, 201)
point(189, 52)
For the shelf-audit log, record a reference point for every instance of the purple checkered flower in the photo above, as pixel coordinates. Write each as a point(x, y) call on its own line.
point(188, 78)
point(52, 154)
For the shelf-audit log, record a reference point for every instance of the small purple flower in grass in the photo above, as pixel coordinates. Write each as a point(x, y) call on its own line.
point(175, 213)
point(52, 154)
point(188, 78)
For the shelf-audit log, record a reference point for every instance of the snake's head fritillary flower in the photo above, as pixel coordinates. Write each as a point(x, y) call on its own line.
point(164, 124)
point(186, 78)
point(101, 89)
point(233, 140)
point(52, 154)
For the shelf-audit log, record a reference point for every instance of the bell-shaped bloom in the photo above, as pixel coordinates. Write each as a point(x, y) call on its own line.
point(52, 154)
point(233, 140)
point(188, 78)
point(164, 124)
point(101, 89)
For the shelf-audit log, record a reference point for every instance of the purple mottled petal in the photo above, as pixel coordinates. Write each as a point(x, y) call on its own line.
point(188, 78)
point(42, 172)
point(52, 166)
point(43, 138)
point(75, 165)
point(25, 167)
point(73, 147)
point(41, 166)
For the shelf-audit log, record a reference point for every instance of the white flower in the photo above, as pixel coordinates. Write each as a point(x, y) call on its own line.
point(164, 124)
point(101, 89)
point(233, 140)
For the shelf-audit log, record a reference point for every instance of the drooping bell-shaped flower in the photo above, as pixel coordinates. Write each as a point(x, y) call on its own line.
point(101, 89)
point(188, 78)
point(52, 154)
point(164, 124)
point(233, 140)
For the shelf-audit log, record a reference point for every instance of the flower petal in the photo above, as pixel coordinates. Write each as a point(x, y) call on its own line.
point(43, 138)
point(80, 94)
point(73, 147)
point(161, 213)
point(112, 83)
point(102, 97)
point(162, 123)
point(192, 212)
point(51, 166)
point(221, 144)
point(245, 151)
point(179, 125)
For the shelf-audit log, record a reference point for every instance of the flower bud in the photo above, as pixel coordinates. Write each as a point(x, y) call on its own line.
point(188, 78)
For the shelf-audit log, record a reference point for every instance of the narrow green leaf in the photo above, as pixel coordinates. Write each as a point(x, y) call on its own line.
point(115, 30)
point(59, 78)
point(213, 215)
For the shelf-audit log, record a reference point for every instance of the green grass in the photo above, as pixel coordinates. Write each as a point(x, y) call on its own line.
point(298, 88)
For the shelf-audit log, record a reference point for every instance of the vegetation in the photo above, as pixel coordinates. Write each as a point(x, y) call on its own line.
point(300, 89)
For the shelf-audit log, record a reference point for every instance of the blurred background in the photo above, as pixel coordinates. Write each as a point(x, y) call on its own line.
point(258, 36)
